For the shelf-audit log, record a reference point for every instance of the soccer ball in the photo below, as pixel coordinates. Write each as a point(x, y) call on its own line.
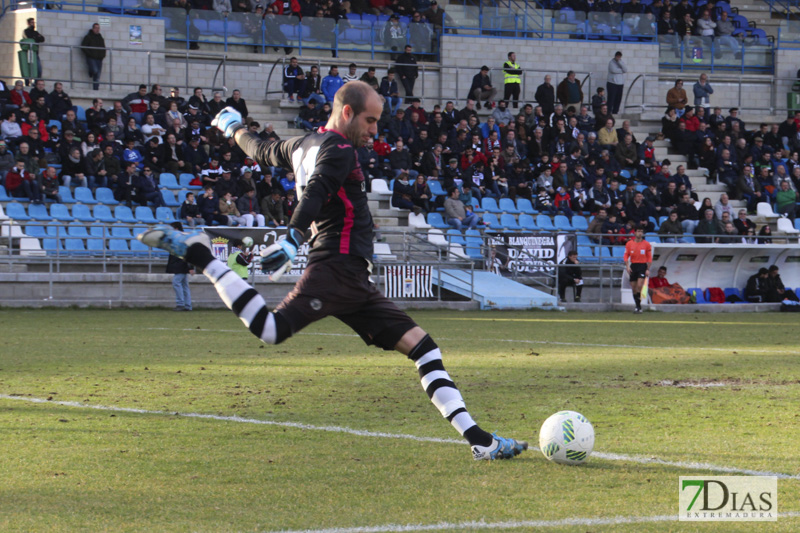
point(248, 242)
point(566, 438)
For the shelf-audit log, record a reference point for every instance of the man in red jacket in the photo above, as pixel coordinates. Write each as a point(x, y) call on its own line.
point(21, 183)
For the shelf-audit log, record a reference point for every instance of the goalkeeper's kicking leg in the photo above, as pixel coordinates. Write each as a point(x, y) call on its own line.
point(375, 318)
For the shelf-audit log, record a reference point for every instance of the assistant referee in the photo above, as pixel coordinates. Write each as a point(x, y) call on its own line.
point(638, 258)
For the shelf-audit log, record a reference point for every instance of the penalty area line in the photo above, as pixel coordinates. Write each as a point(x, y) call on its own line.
point(688, 465)
point(515, 524)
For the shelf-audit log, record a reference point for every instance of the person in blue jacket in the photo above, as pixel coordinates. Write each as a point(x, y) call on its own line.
point(331, 83)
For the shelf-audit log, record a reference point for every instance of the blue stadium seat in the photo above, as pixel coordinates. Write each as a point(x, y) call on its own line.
point(688, 238)
point(436, 220)
point(579, 223)
point(99, 230)
point(562, 223)
point(138, 248)
point(733, 291)
point(103, 214)
point(81, 212)
point(652, 238)
point(164, 214)
point(509, 222)
point(525, 206)
point(698, 294)
point(544, 222)
point(618, 252)
point(121, 232)
point(54, 122)
point(80, 113)
point(66, 195)
point(118, 247)
point(182, 196)
point(124, 214)
point(35, 231)
point(74, 246)
point(39, 212)
point(184, 180)
point(16, 211)
point(169, 198)
point(586, 255)
point(584, 240)
point(491, 221)
point(84, 196)
point(4, 197)
point(52, 246)
point(490, 205)
point(168, 181)
point(77, 230)
point(476, 206)
point(105, 196)
point(527, 223)
point(455, 237)
point(507, 205)
point(144, 214)
point(436, 188)
point(473, 247)
point(95, 246)
point(60, 212)
point(56, 230)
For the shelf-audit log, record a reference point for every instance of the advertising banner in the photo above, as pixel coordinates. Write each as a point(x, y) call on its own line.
point(224, 240)
point(408, 281)
point(529, 254)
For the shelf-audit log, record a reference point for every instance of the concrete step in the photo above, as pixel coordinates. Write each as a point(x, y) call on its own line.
point(387, 221)
point(710, 187)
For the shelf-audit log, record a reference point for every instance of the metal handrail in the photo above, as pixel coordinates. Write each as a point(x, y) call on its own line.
point(772, 83)
point(185, 55)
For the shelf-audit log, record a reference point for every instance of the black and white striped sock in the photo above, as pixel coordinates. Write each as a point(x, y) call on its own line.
point(246, 303)
point(443, 392)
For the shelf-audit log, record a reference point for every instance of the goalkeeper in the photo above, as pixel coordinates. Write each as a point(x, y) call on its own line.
point(333, 205)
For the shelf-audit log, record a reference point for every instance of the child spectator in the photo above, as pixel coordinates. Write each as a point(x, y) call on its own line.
point(189, 212)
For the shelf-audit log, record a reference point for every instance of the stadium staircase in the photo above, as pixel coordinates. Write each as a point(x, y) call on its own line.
point(649, 123)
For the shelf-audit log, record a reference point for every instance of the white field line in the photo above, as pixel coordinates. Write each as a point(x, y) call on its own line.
point(517, 524)
point(521, 341)
point(364, 433)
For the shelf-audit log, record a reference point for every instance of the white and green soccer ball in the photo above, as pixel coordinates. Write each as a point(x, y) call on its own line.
point(567, 438)
point(248, 242)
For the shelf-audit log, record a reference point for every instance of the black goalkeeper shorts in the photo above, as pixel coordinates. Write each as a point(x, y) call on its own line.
point(339, 286)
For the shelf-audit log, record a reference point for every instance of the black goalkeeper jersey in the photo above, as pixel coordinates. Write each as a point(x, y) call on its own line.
point(330, 188)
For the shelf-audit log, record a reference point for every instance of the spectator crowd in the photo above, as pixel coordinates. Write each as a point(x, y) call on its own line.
point(562, 155)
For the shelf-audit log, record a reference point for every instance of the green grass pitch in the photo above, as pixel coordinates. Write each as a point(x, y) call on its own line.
point(697, 388)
